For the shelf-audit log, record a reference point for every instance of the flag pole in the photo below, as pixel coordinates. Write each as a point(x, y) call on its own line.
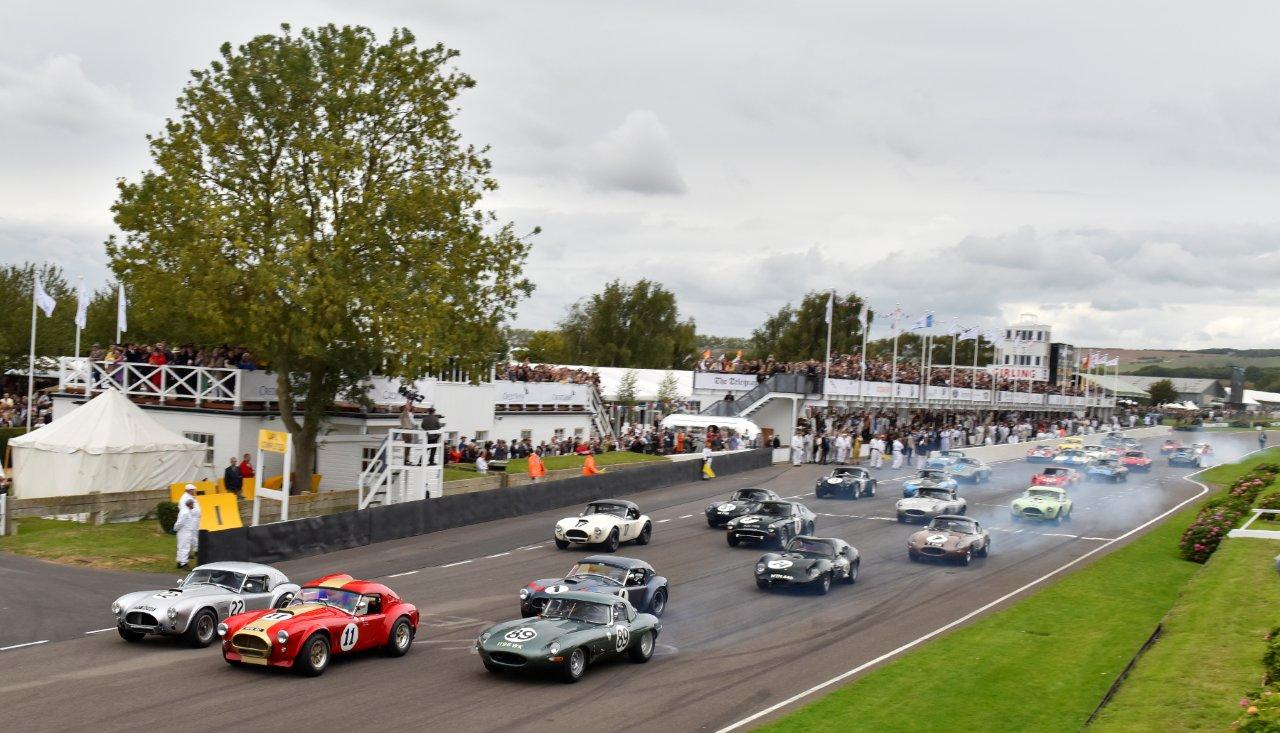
point(894, 375)
point(826, 371)
point(951, 380)
point(79, 297)
point(31, 356)
point(862, 378)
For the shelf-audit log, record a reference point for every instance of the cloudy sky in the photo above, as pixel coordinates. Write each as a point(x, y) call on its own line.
point(1111, 167)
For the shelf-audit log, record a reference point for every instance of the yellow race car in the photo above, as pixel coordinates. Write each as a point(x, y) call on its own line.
point(1071, 443)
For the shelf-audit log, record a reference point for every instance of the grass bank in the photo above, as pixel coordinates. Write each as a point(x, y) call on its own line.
point(1042, 664)
point(125, 546)
point(458, 472)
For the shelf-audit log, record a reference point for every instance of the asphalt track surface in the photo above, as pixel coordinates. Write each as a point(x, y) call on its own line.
point(728, 651)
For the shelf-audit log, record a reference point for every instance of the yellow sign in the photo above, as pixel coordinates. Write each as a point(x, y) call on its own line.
point(273, 441)
point(219, 511)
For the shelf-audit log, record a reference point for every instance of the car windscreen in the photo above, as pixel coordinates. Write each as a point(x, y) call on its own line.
point(774, 509)
point(595, 569)
point(930, 493)
point(1135, 454)
point(811, 548)
point(1055, 472)
point(344, 599)
point(933, 475)
point(750, 495)
point(1042, 494)
point(592, 613)
point(952, 525)
point(207, 576)
point(616, 510)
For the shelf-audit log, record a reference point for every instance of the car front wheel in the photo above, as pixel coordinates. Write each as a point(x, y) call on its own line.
point(824, 584)
point(642, 652)
point(202, 629)
point(313, 657)
point(645, 533)
point(967, 557)
point(401, 638)
point(130, 635)
point(562, 544)
point(852, 576)
point(611, 544)
point(732, 539)
point(659, 602)
point(574, 666)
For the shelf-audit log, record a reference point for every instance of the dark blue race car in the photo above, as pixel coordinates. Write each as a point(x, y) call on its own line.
point(632, 579)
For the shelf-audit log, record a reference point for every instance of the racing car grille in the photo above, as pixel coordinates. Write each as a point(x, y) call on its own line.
point(507, 658)
point(917, 513)
point(137, 618)
point(576, 535)
point(248, 645)
point(935, 551)
point(750, 535)
point(1031, 512)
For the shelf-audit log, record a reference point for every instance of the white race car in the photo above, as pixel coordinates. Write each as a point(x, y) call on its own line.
point(605, 522)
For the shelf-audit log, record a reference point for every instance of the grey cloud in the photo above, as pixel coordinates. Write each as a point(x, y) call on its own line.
point(636, 156)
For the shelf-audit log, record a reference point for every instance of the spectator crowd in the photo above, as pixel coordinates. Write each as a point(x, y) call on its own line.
point(526, 372)
point(849, 366)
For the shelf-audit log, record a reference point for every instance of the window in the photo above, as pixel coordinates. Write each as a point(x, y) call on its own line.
point(367, 454)
point(577, 432)
point(482, 436)
point(559, 434)
point(526, 435)
point(205, 439)
point(1037, 361)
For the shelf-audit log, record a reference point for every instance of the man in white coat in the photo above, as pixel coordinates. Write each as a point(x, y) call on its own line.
point(897, 452)
point(797, 449)
point(877, 452)
point(844, 445)
point(188, 525)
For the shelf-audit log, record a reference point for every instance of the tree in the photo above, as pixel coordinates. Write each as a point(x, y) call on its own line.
point(627, 388)
point(800, 333)
point(546, 347)
point(314, 202)
point(628, 326)
point(55, 335)
point(669, 390)
point(1162, 392)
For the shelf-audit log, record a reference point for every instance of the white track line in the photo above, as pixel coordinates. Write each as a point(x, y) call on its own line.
point(401, 575)
point(99, 631)
point(19, 646)
point(660, 521)
point(497, 554)
point(947, 627)
point(455, 564)
point(684, 516)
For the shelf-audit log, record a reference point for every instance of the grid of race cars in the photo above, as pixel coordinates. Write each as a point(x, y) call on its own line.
point(606, 604)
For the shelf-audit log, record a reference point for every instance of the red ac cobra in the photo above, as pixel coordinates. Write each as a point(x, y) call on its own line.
point(335, 614)
point(1136, 460)
point(1056, 476)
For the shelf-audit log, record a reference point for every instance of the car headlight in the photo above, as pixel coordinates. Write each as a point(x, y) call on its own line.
point(597, 532)
point(173, 613)
point(282, 638)
point(524, 593)
point(553, 647)
point(814, 572)
point(115, 608)
point(559, 531)
point(772, 530)
point(484, 636)
point(760, 568)
point(222, 629)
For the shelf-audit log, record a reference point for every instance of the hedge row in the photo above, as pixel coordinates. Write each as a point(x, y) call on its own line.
point(1222, 514)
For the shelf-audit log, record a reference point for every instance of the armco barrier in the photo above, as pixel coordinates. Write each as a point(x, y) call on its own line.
point(316, 535)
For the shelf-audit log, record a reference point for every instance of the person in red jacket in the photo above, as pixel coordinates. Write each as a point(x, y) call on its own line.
point(246, 468)
point(589, 466)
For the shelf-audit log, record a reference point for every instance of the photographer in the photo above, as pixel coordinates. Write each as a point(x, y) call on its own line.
point(432, 423)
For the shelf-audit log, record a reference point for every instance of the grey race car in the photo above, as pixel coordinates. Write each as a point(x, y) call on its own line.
point(930, 502)
point(846, 482)
point(740, 504)
point(809, 562)
point(772, 521)
point(208, 595)
point(627, 577)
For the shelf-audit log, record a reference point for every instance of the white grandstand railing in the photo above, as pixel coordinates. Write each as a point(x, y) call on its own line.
point(165, 383)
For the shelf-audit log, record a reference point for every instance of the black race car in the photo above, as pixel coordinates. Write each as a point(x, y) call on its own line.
point(632, 579)
point(1184, 457)
point(846, 482)
point(772, 521)
point(809, 562)
point(740, 504)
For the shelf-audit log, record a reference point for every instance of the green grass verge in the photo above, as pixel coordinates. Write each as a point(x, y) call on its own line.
point(1211, 651)
point(1042, 664)
point(612, 458)
point(125, 546)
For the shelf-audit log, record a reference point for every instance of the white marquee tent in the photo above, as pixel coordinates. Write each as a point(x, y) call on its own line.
point(107, 445)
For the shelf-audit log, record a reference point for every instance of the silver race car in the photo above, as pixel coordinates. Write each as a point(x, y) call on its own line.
point(209, 594)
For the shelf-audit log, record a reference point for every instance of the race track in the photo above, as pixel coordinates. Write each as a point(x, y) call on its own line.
point(727, 651)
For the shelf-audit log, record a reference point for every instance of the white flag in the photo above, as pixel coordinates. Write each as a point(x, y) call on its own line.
point(991, 336)
point(925, 321)
point(969, 334)
point(862, 317)
point(82, 306)
point(122, 320)
point(831, 302)
point(43, 301)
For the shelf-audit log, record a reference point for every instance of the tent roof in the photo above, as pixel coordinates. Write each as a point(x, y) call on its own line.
point(1120, 385)
point(108, 423)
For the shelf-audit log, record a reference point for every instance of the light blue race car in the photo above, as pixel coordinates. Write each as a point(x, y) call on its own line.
point(929, 478)
point(1072, 458)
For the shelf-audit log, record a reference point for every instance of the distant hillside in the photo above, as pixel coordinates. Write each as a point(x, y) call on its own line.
point(1131, 360)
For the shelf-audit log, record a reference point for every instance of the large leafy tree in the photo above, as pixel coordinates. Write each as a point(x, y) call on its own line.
point(800, 332)
point(1162, 392)
point(55, 335)
point(625, 325)
point(314, 201)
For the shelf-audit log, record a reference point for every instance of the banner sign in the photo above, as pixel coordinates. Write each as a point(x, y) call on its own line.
point(1019, 373)
point(540, 393)
point(724, 381)
point(273, 441)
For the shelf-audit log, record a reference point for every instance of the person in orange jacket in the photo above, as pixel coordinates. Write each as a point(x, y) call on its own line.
point(536, 469)
point(589, 466)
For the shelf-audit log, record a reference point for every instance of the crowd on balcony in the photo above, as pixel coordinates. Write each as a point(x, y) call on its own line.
point(849, 366)
point(160, 354)
point(526, 372)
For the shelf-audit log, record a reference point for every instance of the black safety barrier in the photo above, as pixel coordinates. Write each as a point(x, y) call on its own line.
point(317, 535)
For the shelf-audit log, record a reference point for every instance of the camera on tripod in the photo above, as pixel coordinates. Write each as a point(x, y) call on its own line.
point(410, 394)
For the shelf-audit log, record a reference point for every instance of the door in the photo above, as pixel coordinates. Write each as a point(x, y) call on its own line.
point(255, 595)
point(637, 586)
point(369, 622)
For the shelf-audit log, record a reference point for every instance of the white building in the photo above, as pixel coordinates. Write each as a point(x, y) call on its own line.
point(1023, 355)
point(224, 408)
